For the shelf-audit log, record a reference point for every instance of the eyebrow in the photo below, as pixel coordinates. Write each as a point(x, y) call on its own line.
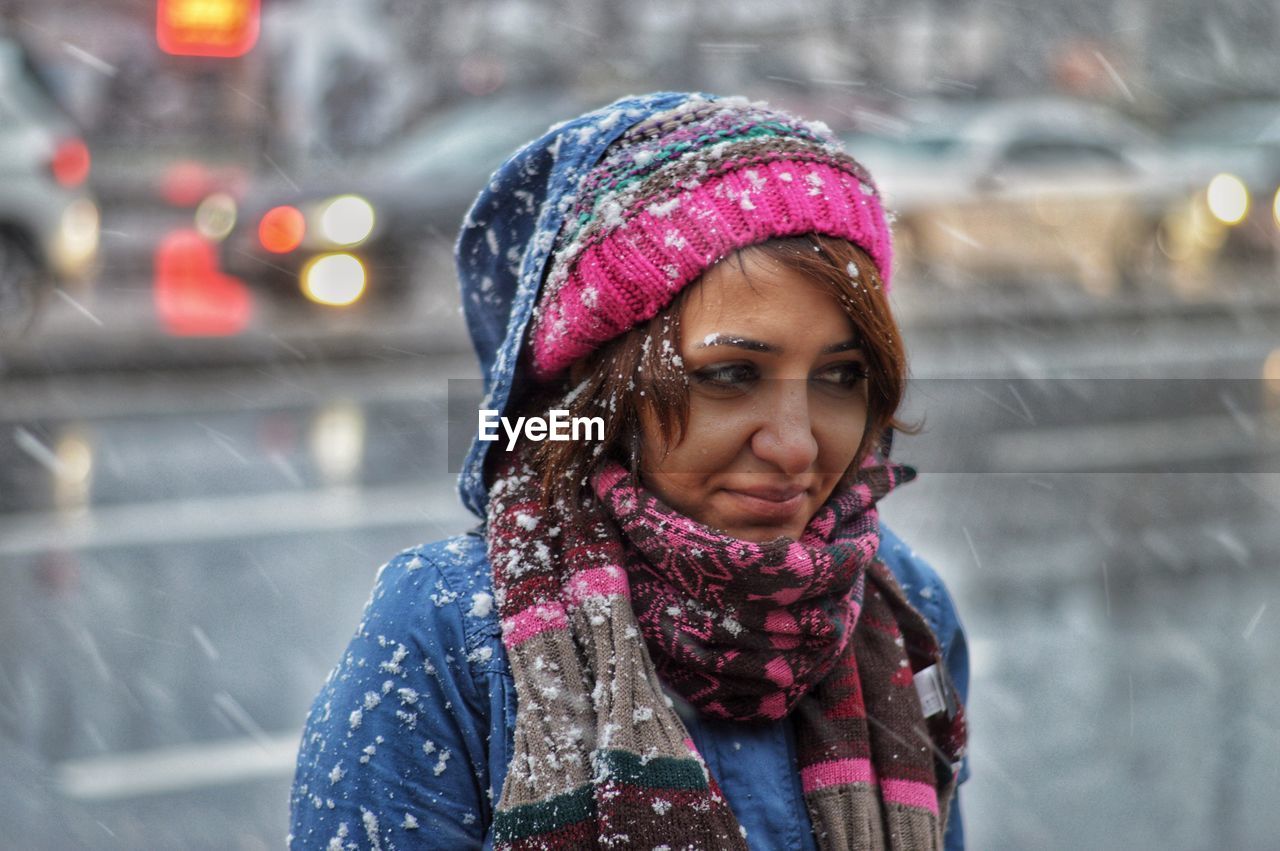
point(757, 346)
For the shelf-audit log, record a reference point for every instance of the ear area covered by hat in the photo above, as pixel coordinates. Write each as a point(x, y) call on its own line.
point(595, 227)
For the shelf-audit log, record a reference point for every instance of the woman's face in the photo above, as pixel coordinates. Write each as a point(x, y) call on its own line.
point(777, 402)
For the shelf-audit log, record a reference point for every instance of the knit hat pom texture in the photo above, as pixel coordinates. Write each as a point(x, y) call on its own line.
point(680, 191)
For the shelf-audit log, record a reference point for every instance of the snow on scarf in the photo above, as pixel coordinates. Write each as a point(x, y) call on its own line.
point(747, 631)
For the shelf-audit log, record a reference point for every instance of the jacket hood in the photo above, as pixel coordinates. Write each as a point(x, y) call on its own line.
point(505, 244)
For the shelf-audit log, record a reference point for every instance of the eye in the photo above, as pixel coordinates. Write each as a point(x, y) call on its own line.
point(726, 377)
point(847, 375)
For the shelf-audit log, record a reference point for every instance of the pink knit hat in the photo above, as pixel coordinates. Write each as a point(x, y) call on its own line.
point(678, 192)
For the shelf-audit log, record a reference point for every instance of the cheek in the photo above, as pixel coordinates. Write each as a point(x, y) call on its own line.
point(839, 434)
point(714, 437)
point(681, 490)
point(660, 466)
point(718, 432)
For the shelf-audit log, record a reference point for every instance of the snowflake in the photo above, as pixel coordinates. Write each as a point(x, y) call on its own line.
point(481, 604)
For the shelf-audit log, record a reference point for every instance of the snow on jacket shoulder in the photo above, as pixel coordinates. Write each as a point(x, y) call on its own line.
point(407, 744)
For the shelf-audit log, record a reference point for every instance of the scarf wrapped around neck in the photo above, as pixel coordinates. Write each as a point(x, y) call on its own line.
point(602, 604)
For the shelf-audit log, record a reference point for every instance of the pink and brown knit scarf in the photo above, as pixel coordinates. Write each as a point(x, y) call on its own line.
point(602, 605)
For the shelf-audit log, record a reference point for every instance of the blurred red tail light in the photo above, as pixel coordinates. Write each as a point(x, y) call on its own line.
point(70, 163)
point(219, 28)
point(281, 229)
point(193, 298)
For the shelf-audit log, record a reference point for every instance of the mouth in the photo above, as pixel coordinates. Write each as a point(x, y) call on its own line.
point(767, 505)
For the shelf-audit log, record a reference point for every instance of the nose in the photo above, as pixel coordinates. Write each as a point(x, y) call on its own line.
point(784, 437)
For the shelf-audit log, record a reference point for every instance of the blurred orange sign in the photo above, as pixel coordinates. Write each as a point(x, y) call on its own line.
point(224, 28)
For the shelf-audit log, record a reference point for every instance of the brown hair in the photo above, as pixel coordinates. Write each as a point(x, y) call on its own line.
point(636, 370)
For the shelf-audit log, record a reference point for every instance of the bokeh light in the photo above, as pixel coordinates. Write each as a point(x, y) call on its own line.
point(334, 279)
point(1228, 198)
point(347, 220)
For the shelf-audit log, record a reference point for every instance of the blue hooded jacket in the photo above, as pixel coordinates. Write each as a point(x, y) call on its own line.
point(407, 743)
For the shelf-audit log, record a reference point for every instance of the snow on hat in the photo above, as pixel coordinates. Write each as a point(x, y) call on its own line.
point(676, 193)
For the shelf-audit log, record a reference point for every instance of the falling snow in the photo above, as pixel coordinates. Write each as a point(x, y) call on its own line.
point(1114, 573)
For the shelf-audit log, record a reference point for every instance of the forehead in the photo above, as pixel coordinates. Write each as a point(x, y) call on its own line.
point(752, 294)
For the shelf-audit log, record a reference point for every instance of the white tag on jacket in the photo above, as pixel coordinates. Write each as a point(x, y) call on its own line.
point(932, 692)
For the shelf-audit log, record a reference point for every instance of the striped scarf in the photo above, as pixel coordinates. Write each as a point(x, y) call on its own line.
point(817, 628)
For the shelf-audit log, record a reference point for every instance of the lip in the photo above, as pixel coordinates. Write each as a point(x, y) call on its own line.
point(767, 504)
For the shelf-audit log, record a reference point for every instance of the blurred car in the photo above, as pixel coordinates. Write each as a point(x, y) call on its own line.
point(343, 238)
point(49, 222)
point(1018, 189)
point(1230, 209)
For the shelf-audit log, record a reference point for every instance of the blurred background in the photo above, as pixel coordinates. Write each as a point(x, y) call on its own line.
point(228, 318)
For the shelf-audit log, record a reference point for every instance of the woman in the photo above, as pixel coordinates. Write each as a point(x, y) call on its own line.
point(691, 632)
